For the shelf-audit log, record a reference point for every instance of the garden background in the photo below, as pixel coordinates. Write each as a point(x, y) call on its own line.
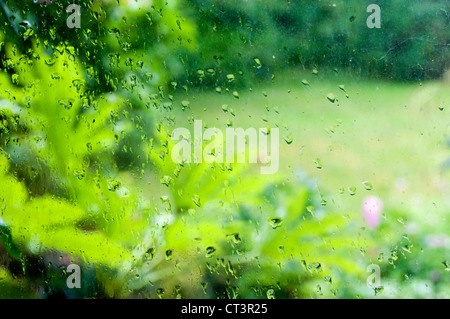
point(86, 175)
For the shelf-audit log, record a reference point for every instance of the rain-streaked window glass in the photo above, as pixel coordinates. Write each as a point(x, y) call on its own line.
point(224, 149)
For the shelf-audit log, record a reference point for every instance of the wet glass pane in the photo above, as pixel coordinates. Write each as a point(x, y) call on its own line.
point(224, 149)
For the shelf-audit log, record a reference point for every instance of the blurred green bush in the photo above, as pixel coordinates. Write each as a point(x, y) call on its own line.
point(412, 43)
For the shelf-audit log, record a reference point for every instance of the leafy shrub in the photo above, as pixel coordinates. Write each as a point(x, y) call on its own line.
point(411, 44)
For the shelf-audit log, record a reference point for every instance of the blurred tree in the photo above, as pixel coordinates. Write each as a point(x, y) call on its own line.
point(412, 43)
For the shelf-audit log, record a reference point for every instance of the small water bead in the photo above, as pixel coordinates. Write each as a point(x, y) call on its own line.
point(169, 254)
point(164, 199)
point(204, 285)
point(184, 104)
point(210, 251)
point(315, 267)
point(275, 222)
point(113, 185)
point(318, 163)
point(331, 97)
point(407, 248)
point(270, 294)
point(446, 265)
point(352, 190)
point(160, 292)
point(258, 62)
point(235, 238)
point(166, 180)
point(196, 200)
point(265, 130)
point(310, 209)
point(289, 139)
point(367, 185)
point(378, 290)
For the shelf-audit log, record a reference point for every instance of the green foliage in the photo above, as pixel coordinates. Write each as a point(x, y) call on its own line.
point(61, 146)
point(121, 47)
point(411, 44)
point(86, 174)
point(225, 221)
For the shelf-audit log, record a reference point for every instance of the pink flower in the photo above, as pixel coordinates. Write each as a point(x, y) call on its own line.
point(372, 207)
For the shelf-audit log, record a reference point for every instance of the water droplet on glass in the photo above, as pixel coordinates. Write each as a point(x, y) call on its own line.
point(235, 238)
point(166, 180)
point(113, 185)
point(367, 185)
point(352, 190)
point(160, 292)
point(270, 294)
point(210, 251)
point(318, 163)
point(275, 222)
point(169, 254)
point(331, 97)
point(378, 290)
point(289, 139)
point(310, 209)
point(265, 130)
point(196, 200)
point(315, 267)
point(184, 104)
point(258, 62)
point(446, 265)
point(204, 285)
point(407, 248)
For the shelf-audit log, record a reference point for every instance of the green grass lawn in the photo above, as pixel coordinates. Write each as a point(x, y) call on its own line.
point(393, 135)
